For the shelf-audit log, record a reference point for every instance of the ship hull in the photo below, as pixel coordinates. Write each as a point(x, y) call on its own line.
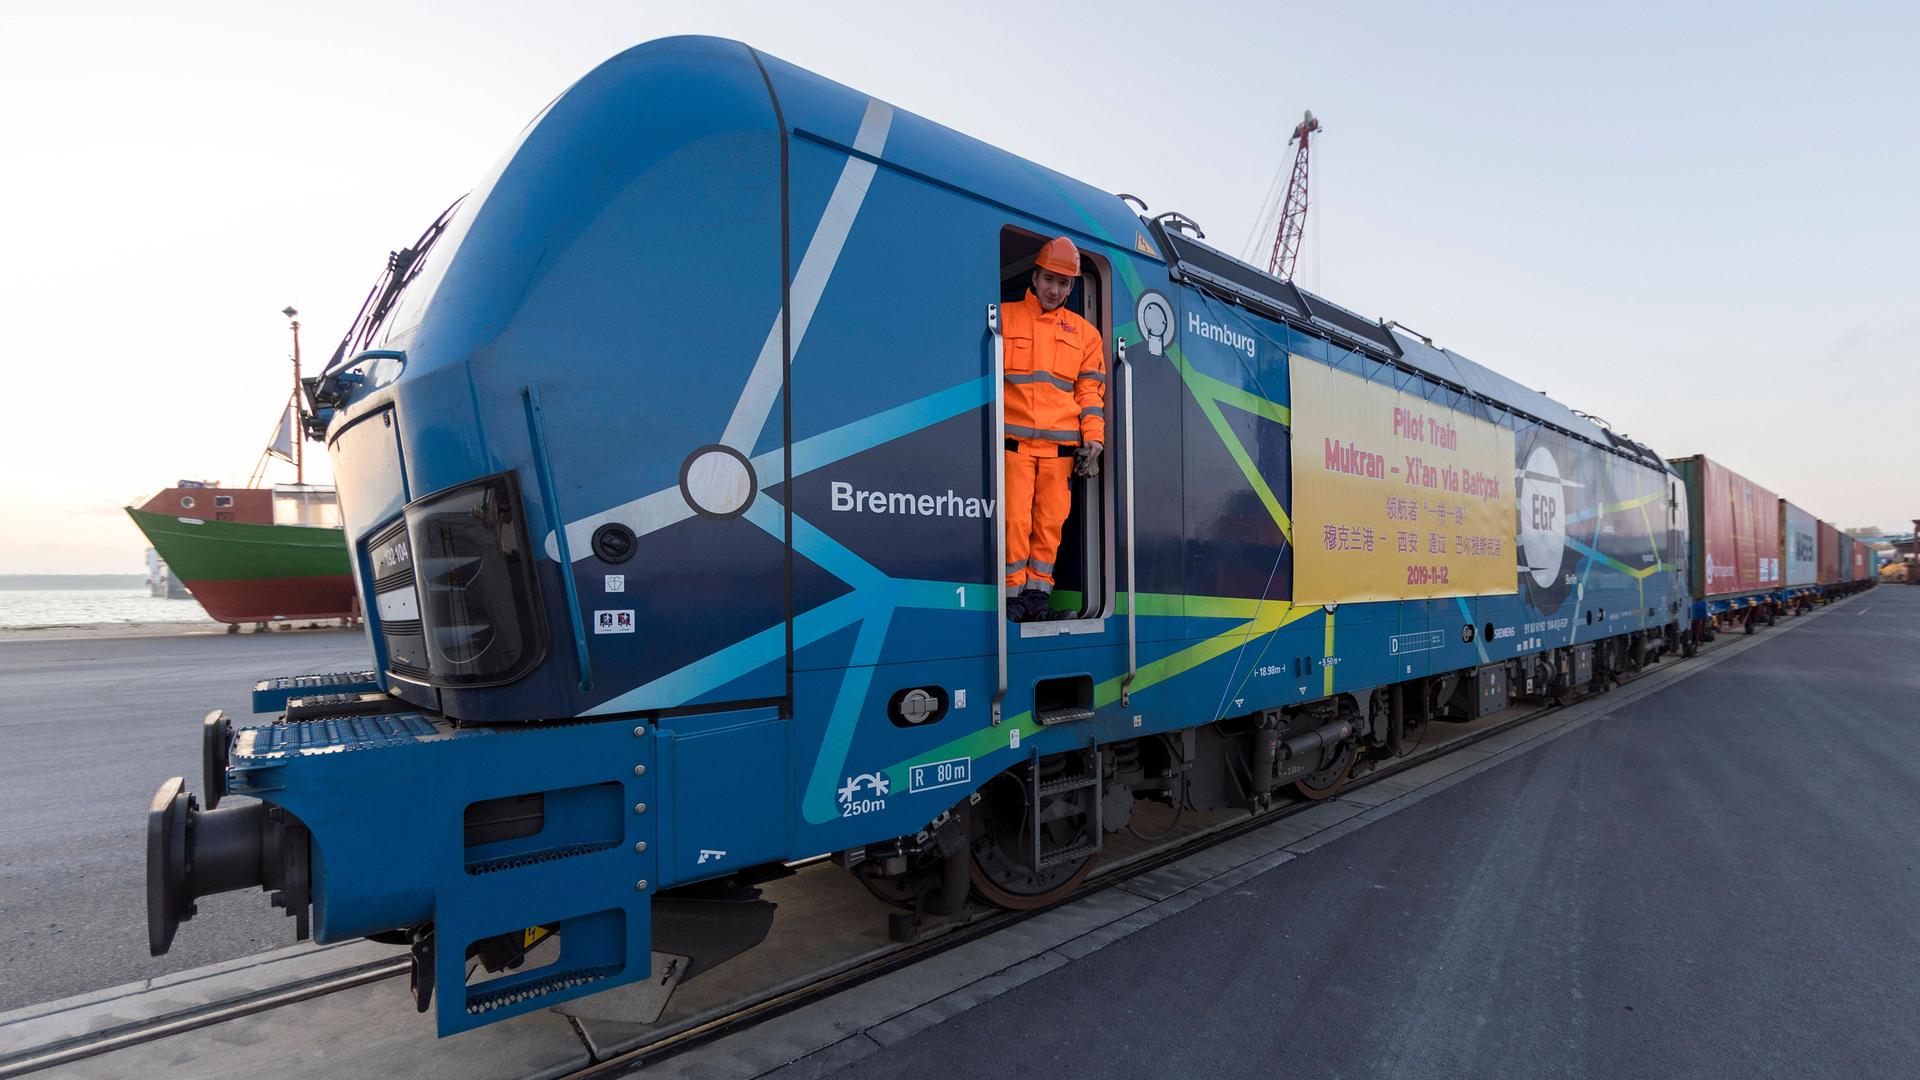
point(244, 573)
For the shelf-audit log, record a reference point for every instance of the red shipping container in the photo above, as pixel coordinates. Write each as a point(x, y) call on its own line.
point(1736, 530)
point(1829, 554)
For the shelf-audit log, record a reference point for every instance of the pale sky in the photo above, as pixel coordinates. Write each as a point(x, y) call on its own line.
point(1697, 221)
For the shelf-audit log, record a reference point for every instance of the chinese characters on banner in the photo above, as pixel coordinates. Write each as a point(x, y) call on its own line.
point(1395, 497)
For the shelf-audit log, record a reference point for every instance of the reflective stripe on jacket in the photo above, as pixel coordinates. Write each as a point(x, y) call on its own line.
point(1056, 376)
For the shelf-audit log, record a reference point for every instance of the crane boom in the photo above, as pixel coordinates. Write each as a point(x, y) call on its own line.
point(1293, 215)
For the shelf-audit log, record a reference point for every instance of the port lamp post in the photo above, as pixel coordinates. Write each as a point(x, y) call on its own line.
point(299, 452)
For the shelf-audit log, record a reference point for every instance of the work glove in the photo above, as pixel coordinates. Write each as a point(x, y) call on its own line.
point(1086, 460)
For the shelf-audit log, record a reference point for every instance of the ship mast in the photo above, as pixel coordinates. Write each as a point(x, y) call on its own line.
point(299, 443)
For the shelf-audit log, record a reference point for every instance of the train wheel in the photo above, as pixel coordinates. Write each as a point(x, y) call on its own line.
point(1332, 774)
point(1002, 847)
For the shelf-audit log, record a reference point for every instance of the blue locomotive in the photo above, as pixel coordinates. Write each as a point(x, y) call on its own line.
point(667, 461)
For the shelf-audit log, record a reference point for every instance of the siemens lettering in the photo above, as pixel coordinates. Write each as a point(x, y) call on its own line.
point(1225, 335)
point(846, 497)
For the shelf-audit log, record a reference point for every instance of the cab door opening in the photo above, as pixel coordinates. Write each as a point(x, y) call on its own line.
point(1083, 572)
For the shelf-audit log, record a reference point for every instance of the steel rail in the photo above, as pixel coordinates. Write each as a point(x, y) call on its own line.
point(95, 1044)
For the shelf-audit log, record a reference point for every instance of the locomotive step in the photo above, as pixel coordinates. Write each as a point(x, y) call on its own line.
point(272, 695)
point(1066, 714)
point(1068, 854)
point(320, 705)
point(1068, 783)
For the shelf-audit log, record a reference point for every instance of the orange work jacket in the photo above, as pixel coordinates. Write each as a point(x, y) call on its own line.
point(1056, 378)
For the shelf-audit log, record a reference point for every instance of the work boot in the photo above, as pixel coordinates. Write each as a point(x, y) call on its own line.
point(1035, 604)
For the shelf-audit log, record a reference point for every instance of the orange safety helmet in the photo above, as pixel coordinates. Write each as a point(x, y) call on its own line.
point(1060, 256)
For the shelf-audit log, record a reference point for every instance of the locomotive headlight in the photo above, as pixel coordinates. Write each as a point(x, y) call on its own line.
point(474, 572)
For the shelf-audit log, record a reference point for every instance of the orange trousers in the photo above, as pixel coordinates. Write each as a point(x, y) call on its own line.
point(1038, 498)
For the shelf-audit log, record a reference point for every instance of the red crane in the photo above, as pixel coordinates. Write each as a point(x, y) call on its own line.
point(1293, 213)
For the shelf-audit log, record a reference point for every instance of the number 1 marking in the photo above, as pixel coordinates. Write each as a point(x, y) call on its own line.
point(961, 592)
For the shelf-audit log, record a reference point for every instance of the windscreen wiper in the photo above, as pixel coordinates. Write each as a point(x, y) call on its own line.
point(402, 267)
point(324, 392)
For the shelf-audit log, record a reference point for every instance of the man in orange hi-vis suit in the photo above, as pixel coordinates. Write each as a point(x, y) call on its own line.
point(1056, 424)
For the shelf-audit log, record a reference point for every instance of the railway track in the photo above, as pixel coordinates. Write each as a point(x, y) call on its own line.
point(122, 1038)
point(758, 1010)
point(753, 1013)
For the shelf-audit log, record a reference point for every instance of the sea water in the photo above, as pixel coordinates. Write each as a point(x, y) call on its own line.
point(34, 608)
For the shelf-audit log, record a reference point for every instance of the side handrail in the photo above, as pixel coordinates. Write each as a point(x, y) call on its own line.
point(550, 495)
point(326, 388)
point(362, 356)
point(998, 452)
point(326, 392)
point(1128, 460)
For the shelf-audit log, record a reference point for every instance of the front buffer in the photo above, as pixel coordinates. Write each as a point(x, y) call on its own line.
point(526, 853)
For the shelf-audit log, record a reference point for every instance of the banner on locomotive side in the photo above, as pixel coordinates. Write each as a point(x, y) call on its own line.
point(1405, 499)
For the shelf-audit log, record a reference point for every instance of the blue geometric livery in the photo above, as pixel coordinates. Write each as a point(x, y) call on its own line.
point(667, 465)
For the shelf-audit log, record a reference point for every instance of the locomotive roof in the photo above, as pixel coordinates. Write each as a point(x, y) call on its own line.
point(1219, 272)
point(821, 108)
point(818, 109)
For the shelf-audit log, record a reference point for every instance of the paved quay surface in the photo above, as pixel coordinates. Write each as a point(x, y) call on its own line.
point(1719, 879)
point(1702, 873)
point(90, 728)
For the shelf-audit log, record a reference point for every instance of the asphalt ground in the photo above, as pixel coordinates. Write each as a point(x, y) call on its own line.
point(88, 730)
point(1720, 879)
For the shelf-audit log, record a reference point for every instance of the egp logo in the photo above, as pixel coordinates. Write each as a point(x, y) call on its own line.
point(863, 793)
point(1543, 519)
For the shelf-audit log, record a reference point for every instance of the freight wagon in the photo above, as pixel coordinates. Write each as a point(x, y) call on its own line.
point(1737, 560)
point(1856, 562)
point(1862, 566)
point(670, 467)
point(1799, 558)
point(1830, 563)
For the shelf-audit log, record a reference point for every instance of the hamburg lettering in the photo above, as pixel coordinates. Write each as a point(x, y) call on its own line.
point(1225, 335)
